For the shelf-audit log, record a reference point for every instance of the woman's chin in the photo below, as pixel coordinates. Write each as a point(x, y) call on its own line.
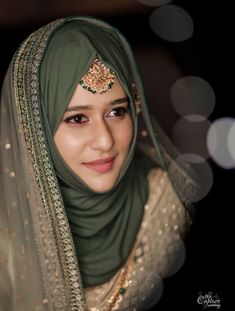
point(101, 183)
point(98, 181)
point(101, 186)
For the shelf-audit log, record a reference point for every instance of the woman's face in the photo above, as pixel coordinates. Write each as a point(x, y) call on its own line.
point(94, 135)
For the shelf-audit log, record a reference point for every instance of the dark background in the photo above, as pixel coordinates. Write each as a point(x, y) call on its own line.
point(208, 265)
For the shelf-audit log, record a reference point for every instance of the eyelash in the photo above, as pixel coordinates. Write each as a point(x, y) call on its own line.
point(122, 111)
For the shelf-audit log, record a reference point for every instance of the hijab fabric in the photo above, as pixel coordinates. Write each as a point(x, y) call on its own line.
point(46, 210)
point(103, 225)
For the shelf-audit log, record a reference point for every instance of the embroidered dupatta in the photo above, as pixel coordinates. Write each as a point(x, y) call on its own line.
point(38, 263)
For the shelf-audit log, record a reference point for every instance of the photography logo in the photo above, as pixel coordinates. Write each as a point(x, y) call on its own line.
point(209, 300)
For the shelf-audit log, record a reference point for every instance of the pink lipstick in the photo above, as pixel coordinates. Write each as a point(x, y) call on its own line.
point(101, 165)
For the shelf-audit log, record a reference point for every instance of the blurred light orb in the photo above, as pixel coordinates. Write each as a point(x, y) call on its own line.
point(220, 142)
point(191, 95)
point(189, 136)
point(202, 172)
point(171, 23)
point(156, 293)
point(231, 140)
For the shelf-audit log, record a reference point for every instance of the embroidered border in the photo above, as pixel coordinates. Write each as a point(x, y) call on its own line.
point(26, 86)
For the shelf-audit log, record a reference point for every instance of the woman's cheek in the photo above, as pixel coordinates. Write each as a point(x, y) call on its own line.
point(125, 135)
point(129, 131)
point(67, 141)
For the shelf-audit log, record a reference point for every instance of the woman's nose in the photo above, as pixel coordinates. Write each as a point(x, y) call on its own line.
point(102, 138)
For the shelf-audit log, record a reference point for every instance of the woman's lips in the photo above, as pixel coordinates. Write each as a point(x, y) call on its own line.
point(101, 165)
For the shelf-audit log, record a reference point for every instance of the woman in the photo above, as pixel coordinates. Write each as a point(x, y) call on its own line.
point(93, 206)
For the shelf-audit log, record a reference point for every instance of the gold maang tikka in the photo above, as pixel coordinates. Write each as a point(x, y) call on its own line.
point(99, 78)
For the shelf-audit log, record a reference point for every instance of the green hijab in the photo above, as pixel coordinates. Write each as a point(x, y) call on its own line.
point(103, 225)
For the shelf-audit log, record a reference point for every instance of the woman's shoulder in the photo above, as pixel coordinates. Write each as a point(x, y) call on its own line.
point(159, 187)
point(163, 208)
point(155, 252)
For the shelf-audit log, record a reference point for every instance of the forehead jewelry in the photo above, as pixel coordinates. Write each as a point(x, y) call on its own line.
point(98, 78)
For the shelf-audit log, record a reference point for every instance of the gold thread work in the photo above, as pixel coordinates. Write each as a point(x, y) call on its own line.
point(67, 292)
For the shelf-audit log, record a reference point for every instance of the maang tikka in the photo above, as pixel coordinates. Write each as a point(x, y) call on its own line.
point(99, 78)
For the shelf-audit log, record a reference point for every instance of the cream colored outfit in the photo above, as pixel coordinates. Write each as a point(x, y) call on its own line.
point(158, 252)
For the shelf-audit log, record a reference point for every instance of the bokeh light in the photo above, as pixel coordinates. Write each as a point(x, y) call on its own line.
point(231, 140)
point(190, 137)
point(156, 293)
point(220, 141)
point(171, 23)
point(202, 172)
point(191, 95)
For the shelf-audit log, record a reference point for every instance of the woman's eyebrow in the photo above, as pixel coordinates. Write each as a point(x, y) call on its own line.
point(88, 107)
point(120, 101)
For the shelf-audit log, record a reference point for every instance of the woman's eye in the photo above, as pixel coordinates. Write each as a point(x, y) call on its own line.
point(118, 112)
point(78, 119)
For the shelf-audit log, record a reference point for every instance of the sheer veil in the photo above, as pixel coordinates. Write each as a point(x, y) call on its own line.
point(38, 265)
